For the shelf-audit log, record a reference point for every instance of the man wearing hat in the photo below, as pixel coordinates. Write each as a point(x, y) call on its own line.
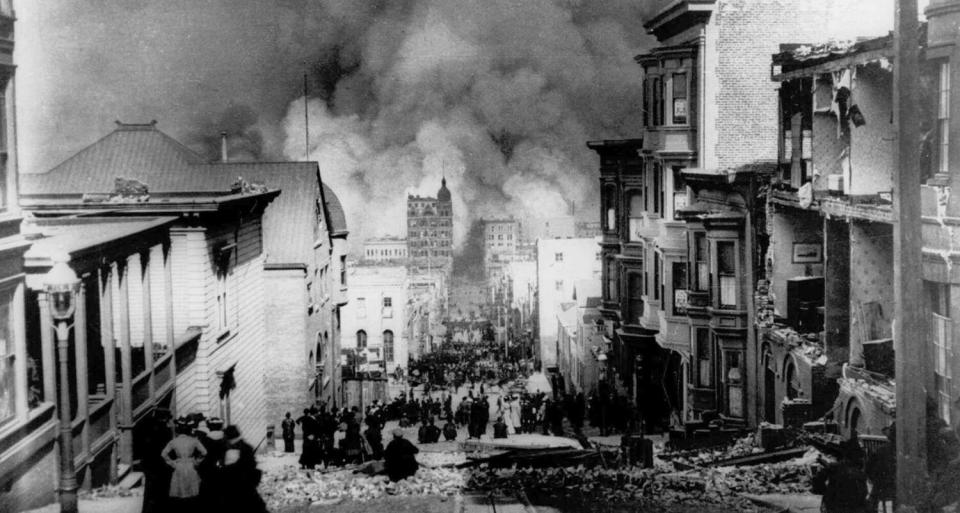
point(240, 475)
point(400, 457)
point(210, 480)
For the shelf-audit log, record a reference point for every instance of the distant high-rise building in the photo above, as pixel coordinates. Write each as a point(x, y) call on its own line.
point(430, 226)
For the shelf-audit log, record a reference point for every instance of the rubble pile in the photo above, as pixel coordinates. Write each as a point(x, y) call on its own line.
point(109, 492)
point(883, 394)
point(441, 459)
point(704, 485)
point(699, 457)
point(293, 486)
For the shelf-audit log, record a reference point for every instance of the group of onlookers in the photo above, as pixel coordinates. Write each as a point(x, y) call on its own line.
point(198, 465)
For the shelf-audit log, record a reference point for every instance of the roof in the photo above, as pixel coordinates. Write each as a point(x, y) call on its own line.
point(335, 216)
point(289, 222)
point(77, 235)
point(167, 168)
point(810, 59)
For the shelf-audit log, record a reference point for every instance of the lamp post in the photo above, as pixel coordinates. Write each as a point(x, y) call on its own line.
point(60, 285)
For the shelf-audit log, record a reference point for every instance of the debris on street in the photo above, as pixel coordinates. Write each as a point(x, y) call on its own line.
point(291, 486)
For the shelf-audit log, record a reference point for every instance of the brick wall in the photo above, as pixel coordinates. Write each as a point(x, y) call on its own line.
point(748, 33)
point(288, 344)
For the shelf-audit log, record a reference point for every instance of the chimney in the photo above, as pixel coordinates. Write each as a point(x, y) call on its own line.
point(223, 146)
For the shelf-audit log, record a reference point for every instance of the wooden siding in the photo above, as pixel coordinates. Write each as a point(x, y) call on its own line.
point(189, 266)
point(244, 346)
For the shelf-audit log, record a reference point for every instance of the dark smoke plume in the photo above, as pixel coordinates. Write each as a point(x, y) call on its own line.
point(498, 96)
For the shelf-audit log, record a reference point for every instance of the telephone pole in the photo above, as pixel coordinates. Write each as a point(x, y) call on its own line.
point(909, 333)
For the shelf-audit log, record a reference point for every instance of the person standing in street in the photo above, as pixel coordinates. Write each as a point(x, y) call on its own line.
point(182, 455)
point(240, 475)
point(287, 430)
point(843, 484)
point(209, 468)
point(400, 459)
point(156, 488)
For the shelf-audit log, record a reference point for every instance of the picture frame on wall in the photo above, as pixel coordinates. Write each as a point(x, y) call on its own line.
point(807, 252)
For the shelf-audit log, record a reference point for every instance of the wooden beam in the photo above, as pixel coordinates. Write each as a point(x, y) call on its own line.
point(909, 339)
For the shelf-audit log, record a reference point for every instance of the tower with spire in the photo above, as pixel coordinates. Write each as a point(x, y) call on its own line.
point(430, 228)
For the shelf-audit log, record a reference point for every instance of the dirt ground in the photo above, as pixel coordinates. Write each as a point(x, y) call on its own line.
point(583, 503)
point(425, 504)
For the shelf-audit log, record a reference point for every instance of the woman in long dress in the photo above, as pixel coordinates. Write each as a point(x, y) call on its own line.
point(181, 454)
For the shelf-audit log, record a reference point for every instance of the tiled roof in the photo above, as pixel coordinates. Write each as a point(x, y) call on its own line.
point(144, 153)
point(139, 152)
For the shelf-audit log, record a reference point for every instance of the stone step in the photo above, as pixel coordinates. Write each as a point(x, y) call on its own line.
point(484, 503)
point(131, 480)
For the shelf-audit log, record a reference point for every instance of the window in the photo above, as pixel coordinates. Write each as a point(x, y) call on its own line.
point(610, 205)
point(361, 339)
point(943, 118)
point(679, 288)
point(679, 98)
point(657, 282)
point(635, 204)
point(558, 285)
point(657, 101)
point(646, 102)
point(634, 298)
point(701, 264)
point(388, 346)
point(727, 273)
point(343, 270)
point(657, 188)
point(704, 358)
point(8, 371)
point(387, 302)
point(558, 257)
point(733, 381)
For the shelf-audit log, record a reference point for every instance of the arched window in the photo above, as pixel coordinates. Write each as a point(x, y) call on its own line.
point(361, 339)
point(388, 346)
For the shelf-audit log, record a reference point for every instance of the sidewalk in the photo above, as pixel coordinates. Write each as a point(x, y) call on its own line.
point(787, 503)
point(111, 505)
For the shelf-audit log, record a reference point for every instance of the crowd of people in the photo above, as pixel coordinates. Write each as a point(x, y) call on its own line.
point(198, 465)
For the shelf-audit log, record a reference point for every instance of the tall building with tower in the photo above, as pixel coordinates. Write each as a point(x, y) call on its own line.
point(430, 227)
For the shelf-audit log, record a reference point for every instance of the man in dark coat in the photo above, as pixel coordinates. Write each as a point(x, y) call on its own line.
point(400, 459)
point(211, 481)
point(450, 430)
point(240, 476)
point(499, 428)
point(155, 470)
point(433, 432)
point(310, 453)
point(287, 428)
point(843, 484)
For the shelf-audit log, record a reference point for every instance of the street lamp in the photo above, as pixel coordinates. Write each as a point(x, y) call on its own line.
point(60, 285)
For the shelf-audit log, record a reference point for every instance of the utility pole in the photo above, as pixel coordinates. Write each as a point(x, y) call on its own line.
point(909, 331)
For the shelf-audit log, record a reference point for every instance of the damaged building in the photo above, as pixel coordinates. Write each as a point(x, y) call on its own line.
point(683, 209)
point(825, 312)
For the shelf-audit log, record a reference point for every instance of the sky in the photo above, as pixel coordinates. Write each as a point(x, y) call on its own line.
point(497, 96)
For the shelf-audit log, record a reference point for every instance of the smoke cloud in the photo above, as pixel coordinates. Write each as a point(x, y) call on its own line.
point(498, 96)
